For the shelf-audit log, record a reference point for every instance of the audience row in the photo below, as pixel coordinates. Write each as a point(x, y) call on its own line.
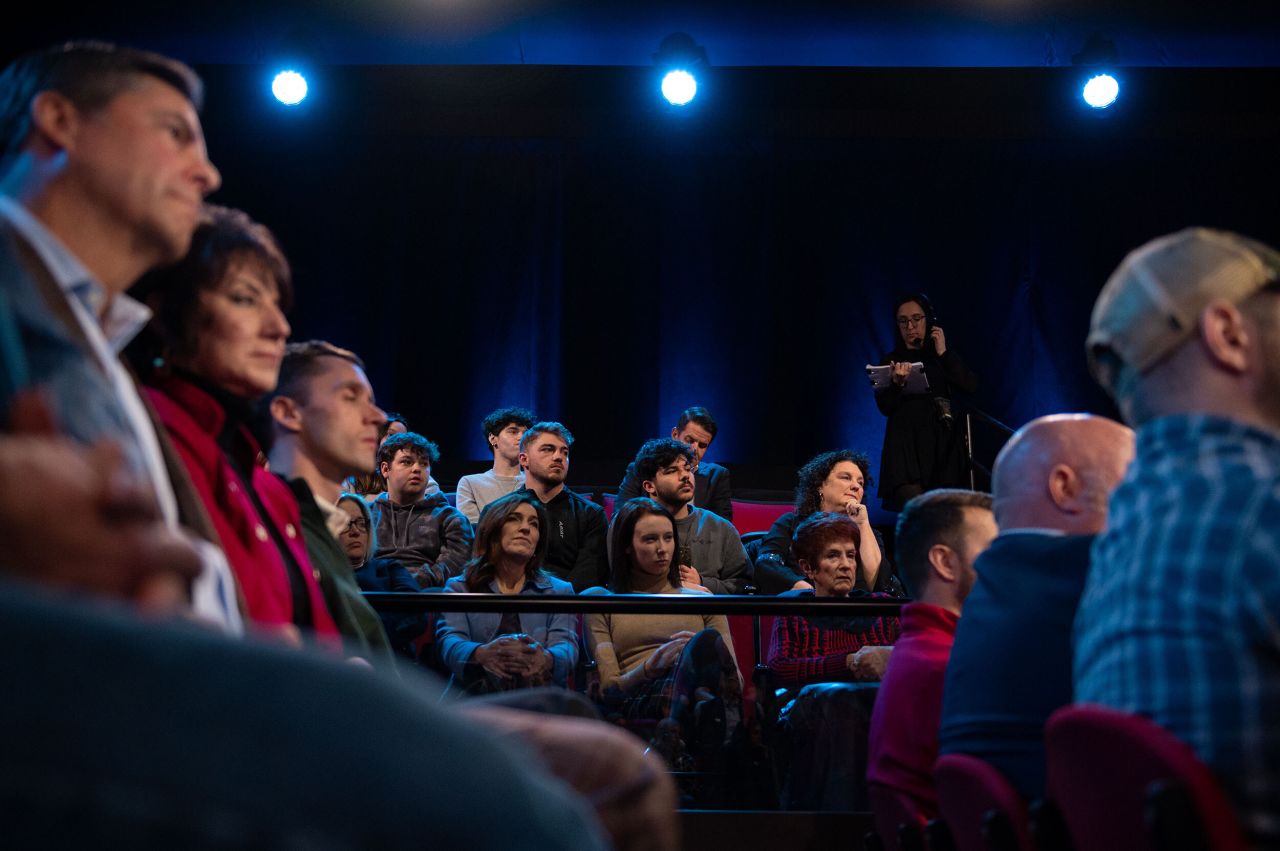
point(208, 480)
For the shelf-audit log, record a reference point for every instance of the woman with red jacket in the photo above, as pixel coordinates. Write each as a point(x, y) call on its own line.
point(219, 318)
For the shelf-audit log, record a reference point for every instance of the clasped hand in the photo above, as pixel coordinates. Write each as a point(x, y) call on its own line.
point(869, 663)
point(514, 655)
point(113, 540)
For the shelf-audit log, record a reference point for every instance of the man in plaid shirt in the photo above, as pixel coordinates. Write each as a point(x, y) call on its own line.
point(1180, 618)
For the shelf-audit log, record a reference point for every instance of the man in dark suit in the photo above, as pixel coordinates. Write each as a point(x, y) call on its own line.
point(711, 490)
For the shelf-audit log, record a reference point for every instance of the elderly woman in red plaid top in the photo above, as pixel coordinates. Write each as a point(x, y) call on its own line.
point(838, 661)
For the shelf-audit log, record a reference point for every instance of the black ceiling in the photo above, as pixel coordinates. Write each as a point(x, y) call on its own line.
point(924, 33)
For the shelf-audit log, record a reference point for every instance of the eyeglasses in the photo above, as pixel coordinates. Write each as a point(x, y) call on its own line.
point(356, 524)
point(908, 321)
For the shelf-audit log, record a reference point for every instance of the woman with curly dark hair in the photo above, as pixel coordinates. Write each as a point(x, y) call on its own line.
point(488, 652)
point(834, 482)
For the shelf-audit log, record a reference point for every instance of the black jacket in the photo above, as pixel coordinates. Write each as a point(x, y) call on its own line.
point(576, 529)
point(710, 488)
point(776, 569)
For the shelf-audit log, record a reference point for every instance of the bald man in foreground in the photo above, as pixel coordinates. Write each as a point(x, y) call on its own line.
point(1011, 662)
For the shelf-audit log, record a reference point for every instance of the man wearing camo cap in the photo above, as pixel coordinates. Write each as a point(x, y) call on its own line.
point(1180, 618)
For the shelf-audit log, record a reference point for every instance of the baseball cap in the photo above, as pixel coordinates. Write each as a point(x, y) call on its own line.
point(1151, 303)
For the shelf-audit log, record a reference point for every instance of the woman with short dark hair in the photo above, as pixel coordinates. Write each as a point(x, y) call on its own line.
point(488, 652)
point(219, 333)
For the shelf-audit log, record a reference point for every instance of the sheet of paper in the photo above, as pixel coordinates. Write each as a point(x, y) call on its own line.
point(882, 376)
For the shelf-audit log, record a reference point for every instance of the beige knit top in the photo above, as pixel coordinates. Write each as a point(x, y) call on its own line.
point(620, 644)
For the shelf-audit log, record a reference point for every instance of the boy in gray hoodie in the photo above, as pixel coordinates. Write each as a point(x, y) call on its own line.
point(423, 532)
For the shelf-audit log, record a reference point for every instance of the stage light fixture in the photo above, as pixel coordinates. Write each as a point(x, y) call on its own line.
point(289, 87)
point(680, 60)
point(679, 87)
point(1101, 91)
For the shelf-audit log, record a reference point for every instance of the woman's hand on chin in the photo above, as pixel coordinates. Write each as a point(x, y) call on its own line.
point(858, 512)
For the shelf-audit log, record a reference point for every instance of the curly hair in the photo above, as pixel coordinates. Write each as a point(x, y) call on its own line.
point(411, 442)
point(812, 475)
point(479, 572)
point(659, 453)
point(503, 417)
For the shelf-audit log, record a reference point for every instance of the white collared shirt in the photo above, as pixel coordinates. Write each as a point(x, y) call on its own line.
point(213, 593)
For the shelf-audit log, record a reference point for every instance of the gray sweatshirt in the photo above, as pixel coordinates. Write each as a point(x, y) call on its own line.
point(478, 490)
point(429, 537)
point(716, 551)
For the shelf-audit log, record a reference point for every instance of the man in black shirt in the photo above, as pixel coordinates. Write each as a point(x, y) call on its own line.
point(577, 526)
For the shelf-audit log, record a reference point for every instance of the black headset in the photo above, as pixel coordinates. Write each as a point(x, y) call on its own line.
point(930, 318)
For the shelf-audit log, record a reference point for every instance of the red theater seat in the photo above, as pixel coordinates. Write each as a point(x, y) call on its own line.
point(983, 811)
point(1124, 783)
point(899, 819)
point(757, 516)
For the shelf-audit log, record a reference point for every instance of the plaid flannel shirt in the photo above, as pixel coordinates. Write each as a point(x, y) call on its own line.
point(1180, 618)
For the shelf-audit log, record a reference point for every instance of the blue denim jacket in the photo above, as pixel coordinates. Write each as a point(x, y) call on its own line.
point(460, 633)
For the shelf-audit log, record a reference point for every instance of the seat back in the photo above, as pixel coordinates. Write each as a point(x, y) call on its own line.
point(608, 500)
point(899, 819)
point(757, 516)
point(741, 629)
point(981, 808)
point(1104, 764)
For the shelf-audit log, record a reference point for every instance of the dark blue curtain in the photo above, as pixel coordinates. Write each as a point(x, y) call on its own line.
point(608, 274)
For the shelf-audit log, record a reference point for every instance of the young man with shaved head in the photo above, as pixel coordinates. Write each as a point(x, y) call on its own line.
point(324, 424)
point(1050, 488)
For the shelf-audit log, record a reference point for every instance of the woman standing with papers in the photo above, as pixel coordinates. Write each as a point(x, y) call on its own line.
point(922, 447)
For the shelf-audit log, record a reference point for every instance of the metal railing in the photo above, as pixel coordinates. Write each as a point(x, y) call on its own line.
point(970, 414)
point(636, 604)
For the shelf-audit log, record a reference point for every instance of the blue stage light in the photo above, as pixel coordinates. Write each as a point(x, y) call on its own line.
point(289, 87)
point(679, 87)
point(1101, 91)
